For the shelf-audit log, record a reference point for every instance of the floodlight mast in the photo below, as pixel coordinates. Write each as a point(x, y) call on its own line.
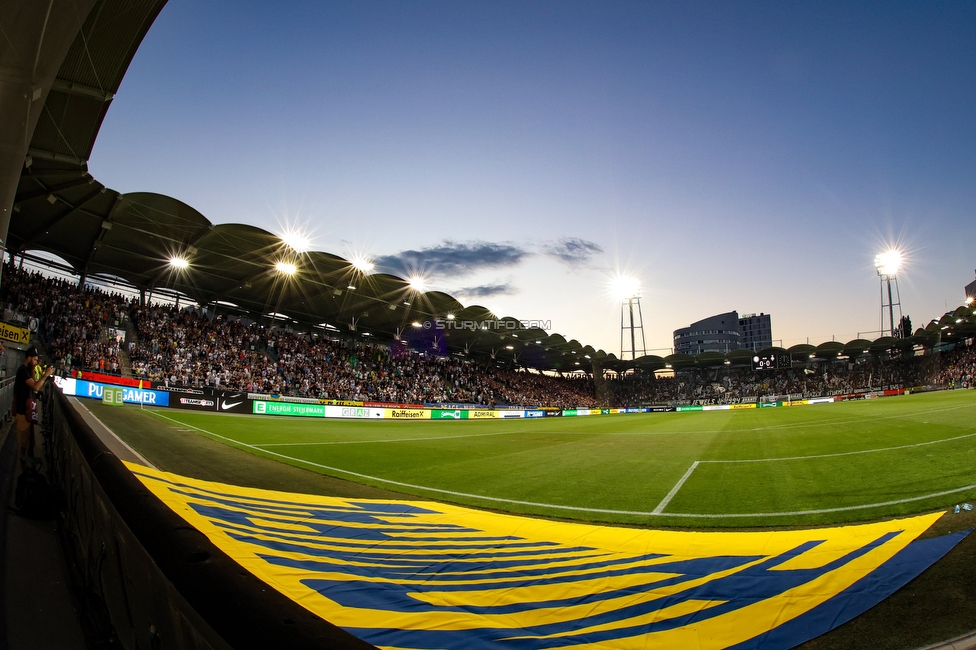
point(629, 321)
point(888, 264)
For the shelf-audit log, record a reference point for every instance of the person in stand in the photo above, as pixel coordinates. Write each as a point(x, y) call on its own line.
point(24, 383)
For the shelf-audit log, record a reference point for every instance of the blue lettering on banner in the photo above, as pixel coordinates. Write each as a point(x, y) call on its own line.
point(129, 395)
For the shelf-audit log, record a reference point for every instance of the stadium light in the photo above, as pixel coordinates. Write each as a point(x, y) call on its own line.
point(296, 239)
point(415, 324)
point(624, 287)
point(450, 317)
point(969, 300)
point(178, 262)
point(416, 283)
point(286, 268)
point(362, 265)
point(888, 263)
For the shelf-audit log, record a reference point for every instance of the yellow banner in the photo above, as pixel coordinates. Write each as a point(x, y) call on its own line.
point(419, 574)
point(406, 414)
point(483, 414)
point(742, 406)
point(14, 334)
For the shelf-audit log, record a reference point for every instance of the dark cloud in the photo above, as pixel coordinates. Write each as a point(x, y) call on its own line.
point(573, 250)
point(487, 290)
point(453, 258)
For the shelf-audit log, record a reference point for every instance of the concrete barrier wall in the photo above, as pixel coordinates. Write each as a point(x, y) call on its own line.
point(148, 579)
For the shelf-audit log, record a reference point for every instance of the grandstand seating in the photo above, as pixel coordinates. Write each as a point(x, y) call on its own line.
point(191, 348)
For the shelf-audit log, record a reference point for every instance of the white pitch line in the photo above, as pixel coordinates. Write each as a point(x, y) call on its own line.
point(366, 442)
point(686, 515)
point(677, 486)
point(843, 453)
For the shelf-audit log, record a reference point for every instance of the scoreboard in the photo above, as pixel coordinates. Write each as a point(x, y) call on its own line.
point(772, 361)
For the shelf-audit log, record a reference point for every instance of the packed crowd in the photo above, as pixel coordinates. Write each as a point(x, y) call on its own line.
point(190, 348)
point(75, 322)
point(730, 385)
point(958, 368)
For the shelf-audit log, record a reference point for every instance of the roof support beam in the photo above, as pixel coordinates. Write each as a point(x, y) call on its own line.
point(82, 90)
point(60, 216)
point(43, 154)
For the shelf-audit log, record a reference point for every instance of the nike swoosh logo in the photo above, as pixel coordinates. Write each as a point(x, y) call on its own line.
point(226, 406)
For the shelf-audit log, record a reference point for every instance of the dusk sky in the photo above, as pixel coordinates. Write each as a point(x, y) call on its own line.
point(748, 156)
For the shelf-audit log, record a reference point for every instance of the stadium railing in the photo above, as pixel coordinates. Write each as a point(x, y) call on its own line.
point(147, 578)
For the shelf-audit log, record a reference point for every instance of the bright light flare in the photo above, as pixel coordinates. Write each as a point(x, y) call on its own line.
point(888, 262)
point(297, 240)
point(362, 264)
point(624, 287)
point(178, 262)
point(286, 268)
point(417, 283)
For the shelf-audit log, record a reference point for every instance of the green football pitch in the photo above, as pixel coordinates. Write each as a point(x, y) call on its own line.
point(819, 464)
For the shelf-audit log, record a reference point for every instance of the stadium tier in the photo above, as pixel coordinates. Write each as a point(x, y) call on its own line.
point(84, 329)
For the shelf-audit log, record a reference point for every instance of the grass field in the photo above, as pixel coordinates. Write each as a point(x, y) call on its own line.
point(784, 467)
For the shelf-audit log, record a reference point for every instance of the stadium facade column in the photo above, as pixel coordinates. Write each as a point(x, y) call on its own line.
point(601, 388)
point(37, 36)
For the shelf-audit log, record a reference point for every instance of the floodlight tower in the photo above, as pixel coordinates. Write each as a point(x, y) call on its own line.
point(888, 265)
point(631, 319)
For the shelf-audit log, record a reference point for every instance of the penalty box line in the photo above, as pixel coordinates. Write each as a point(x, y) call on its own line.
point(677, 486)
point(655, 513)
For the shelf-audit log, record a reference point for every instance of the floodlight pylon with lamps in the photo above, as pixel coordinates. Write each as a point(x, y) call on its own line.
point(888, 264)
point(627, 289)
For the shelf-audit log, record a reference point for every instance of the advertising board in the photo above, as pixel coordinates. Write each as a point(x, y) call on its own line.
point(261, 407)
point(234, 403)
point(81, 388)
point(14, 334)
point(406, 414)
point(449, 414)
point(353, 412)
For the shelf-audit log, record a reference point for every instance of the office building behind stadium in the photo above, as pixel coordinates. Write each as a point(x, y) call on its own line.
point(724, 333)
point(756, 332)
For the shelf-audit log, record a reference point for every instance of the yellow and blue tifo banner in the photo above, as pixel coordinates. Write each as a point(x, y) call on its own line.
point(419, 574)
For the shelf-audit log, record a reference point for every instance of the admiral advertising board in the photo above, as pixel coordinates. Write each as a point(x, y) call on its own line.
point(481, 414)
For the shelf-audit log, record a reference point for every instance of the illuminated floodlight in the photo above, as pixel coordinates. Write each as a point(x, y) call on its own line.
point(416, 324)
point(888, 263)
point(286, 268)
point(362, 264)
point(296, 239)
point(351, 287)
point(178, 262)
point(416, 283)
point(969, 300)
point(624, 287)
point(450, 317)
point(509, 347)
